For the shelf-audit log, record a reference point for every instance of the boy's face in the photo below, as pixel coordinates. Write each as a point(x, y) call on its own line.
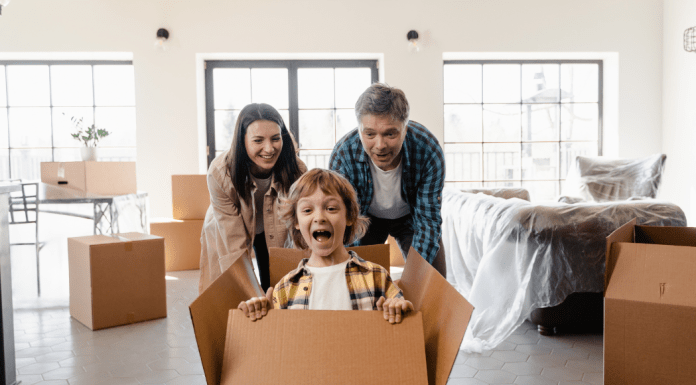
point(321, 218)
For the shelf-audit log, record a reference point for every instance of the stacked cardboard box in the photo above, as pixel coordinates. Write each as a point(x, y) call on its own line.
point(182, 233)
point(101, 178)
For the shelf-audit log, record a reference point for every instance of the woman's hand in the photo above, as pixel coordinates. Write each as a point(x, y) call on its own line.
point(393, 308)
point(257, 307)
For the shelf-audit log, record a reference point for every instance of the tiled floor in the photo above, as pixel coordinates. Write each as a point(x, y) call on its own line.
point(52, 348)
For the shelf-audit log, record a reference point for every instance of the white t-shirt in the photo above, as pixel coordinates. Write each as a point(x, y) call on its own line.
point(387, 202)
point(262, 186)
point(329, 288)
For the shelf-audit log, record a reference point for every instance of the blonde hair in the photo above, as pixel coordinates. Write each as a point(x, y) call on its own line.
point(330, 182)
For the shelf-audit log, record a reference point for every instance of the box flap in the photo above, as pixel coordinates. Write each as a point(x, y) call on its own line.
point(210, 310)
point(353, 347)
point(286, 260)
point(137, 236)
point(96, 239)
point(659, 274)
point(446, 314)
point(622, 234)
point(666, 235)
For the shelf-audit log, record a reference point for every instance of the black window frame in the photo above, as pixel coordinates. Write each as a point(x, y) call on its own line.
point(292, 66)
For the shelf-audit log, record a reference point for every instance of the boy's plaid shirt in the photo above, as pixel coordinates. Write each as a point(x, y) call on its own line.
point(422, 181)
point(366, 283)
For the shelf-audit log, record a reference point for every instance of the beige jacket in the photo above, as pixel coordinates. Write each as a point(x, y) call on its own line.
point(229, 233)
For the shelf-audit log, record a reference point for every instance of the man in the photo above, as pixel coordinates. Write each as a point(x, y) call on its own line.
point(398, 170)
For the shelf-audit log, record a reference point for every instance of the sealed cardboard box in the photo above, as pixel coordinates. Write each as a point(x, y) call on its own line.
point(182, 242)
point(445, 316)
point(650, 305)
point(101, 178)
point(116, 280)
point(190, 197)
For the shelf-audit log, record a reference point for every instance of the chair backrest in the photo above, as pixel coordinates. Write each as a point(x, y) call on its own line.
point(24, 204)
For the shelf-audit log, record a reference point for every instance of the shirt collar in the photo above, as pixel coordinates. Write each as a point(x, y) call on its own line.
point(302, 269)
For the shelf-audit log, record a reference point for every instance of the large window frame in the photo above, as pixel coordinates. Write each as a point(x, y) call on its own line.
point(516, 182)
point(52, 106)
point(292, 66)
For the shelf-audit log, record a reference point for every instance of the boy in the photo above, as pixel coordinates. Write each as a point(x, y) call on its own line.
point(323, 215)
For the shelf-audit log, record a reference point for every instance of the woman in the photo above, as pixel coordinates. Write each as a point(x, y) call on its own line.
point(244, 183)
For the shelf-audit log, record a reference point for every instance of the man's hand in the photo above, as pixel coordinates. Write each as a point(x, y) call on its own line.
point(257, 307)
point(393, 308)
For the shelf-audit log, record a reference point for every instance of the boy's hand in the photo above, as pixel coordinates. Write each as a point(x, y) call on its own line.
point(257, 307)
point(393, 308)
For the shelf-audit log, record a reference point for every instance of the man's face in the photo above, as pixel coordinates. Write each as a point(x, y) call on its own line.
point(382, 139)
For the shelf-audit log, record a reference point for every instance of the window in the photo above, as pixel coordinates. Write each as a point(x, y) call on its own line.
point(520, 123)
point(37, 100)
point(315, 98)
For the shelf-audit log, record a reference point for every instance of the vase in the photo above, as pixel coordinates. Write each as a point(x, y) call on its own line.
point(88, 153)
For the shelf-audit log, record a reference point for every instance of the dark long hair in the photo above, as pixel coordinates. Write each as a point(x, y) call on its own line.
point(285, 171)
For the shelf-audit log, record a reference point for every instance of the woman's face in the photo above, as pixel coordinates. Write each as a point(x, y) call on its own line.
point(263, 143)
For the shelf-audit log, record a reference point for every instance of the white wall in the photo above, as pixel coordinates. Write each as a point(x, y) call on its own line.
point(166, 90)
point(679, 108)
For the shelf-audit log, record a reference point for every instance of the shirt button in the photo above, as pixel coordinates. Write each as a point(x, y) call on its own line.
point(268, 210)
point(270, 236)
point(306, 288)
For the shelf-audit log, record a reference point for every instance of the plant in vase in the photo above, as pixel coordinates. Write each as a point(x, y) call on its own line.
point(90, 136)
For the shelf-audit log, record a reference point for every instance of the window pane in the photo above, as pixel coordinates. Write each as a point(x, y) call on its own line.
point(463, 162)
point(71, 85)
point(116, 154)
point(540, 83)
point(540, 161)
point(63, 127)
point(315, 158)
point(462, 83)
point(463, 123)
point(28, 85)
point(540, 122)
point(545, 191)
point(224, 128)
point(315, 87)
point(569, 151)
point(501, 123)
point(3, 91)
point(30, 127)
point(232, 88)
point(26, 164)
point(501, 83)
point(3, 128)
point(69, 154)
point(345, 122)
point(285, 114)
point(270, 85)
point(316, 129)
point(580, 82)
point(501, 184)
point(579, 121)
point(120, 122)
point(4, 163)
point(464, 185)
point(501, 161)
point(114, 85)
point(350, 84)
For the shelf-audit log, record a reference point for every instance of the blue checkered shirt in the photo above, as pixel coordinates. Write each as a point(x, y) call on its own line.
point(422, 181)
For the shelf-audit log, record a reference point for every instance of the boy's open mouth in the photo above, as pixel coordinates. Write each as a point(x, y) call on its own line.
point(321, 235)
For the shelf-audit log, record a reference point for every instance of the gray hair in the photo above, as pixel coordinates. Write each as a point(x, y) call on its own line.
point(380, 99)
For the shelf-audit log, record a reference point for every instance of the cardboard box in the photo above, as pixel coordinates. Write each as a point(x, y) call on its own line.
point(650, 305)
point(395, 256)
point(445, 316)
point(116, 280)
point(182, 242)
point(286, 260)
point(190, 197)
point(101, 178)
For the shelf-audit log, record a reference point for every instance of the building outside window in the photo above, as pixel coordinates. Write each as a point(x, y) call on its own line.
point(37, 100)
point(520, 123)
point(315, 97)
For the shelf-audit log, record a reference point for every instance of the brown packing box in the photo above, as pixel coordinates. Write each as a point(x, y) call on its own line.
point(445, 316)
point(182, 242)
point(101, 178)
point(190, 197)
point(650, 306)
point(116, 280)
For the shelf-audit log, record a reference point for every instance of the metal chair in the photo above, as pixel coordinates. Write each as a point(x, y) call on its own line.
point(24, 209)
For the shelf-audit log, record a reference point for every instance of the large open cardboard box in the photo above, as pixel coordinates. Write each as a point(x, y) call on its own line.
point(116, 280)
point(102, 178)
point(445, 316)
point(190, 197)
point(650, 306)
point(182, 242)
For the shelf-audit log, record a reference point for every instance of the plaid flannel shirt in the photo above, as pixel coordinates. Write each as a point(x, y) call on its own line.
point(366, 282)
point(422, 180)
